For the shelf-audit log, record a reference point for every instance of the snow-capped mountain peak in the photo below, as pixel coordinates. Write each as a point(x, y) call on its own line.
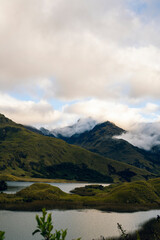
point(82, 125)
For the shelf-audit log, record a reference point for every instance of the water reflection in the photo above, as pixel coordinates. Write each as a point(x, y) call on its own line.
point(87, 224)
point(14, 187)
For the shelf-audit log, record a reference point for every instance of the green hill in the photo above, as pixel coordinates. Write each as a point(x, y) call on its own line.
point(25, 153)
point(133, 196)
point(101, 140)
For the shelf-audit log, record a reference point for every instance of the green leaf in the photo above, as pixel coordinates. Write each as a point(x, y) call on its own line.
point(64, 233)
point(37, 230)
point(2, 235)
point(138, 236)
point(45, 227)
point(58, 235)
point(49, 218)
point(38, 220)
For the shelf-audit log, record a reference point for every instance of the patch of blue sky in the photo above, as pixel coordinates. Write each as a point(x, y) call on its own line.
point(138, 6)
point(29, 94)
point(150, 117)
point(59, 104)
point(142, 103)
point(146, 10)
point(21, 96)
point(137, 102)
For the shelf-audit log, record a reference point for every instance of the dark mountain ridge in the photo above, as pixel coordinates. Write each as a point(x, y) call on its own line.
point(102, 140)
point(27, 153)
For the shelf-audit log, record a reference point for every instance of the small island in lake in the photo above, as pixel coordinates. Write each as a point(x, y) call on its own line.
point(133, 196)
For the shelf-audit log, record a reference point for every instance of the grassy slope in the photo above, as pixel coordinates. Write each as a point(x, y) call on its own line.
point(9, 177)
point(134, 196)
point(99, 140)
point(138, 195)
point(24, 153)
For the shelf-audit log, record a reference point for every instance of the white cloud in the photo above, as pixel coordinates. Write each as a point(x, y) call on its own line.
point(42, 114)
point(79, 49)
point(151, 108)
point(144, 135)
point(38, 114)
point(100, 110)
point(82, 125)
point(28, 112)
point(90, 48)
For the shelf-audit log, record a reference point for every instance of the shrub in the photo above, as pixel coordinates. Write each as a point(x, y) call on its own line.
point(45, 227)
point(2, 235)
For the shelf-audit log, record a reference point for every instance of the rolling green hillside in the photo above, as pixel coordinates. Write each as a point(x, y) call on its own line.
point(25, 153)
point(138, 192)
point(100, 140)
point(133, 196)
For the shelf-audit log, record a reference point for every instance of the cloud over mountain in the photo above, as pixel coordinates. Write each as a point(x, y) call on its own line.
point(79, 50)
point(144, 135)
point(80, 126)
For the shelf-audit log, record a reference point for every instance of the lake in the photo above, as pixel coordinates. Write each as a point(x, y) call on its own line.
point(14, 187)
point(87, 224)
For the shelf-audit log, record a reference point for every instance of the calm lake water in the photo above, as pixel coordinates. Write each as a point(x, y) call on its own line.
point(87, 224)
point(14, 187)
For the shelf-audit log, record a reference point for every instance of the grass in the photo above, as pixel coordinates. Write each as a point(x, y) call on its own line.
point(100, 140)
point(30, 155)
point(9, 177)
point(134, 196)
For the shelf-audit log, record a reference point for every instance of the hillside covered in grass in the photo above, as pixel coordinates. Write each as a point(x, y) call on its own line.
point(28, 154)
point(101, 139)
point(133, 196)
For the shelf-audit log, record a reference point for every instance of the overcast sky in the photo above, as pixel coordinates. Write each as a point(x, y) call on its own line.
point(63, 60)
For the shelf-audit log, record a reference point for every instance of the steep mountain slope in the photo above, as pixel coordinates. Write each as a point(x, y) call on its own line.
point(41, 131)
point(26, 153)
point(101, 140)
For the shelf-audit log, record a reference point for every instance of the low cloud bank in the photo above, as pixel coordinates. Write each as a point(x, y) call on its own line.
point(143, 135)
point(80, 126)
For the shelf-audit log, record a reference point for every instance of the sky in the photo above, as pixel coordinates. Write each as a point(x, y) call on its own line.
point(63, 60)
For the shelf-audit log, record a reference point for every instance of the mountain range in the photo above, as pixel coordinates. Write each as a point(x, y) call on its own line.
point(82, 125)
point(108, 140)
point(27, 152)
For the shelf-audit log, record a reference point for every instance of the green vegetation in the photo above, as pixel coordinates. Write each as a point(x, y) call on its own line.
point(149, 231)
point(133, 196)
point(100, 140)
point(9, 177)
point(28, 154)
point(45, 227)
point(2, 237)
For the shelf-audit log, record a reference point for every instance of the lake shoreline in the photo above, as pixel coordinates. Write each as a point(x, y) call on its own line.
point(87, 224)
point(7, 177)
point(124, 197)
point(42, 195)
point(49, 205)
